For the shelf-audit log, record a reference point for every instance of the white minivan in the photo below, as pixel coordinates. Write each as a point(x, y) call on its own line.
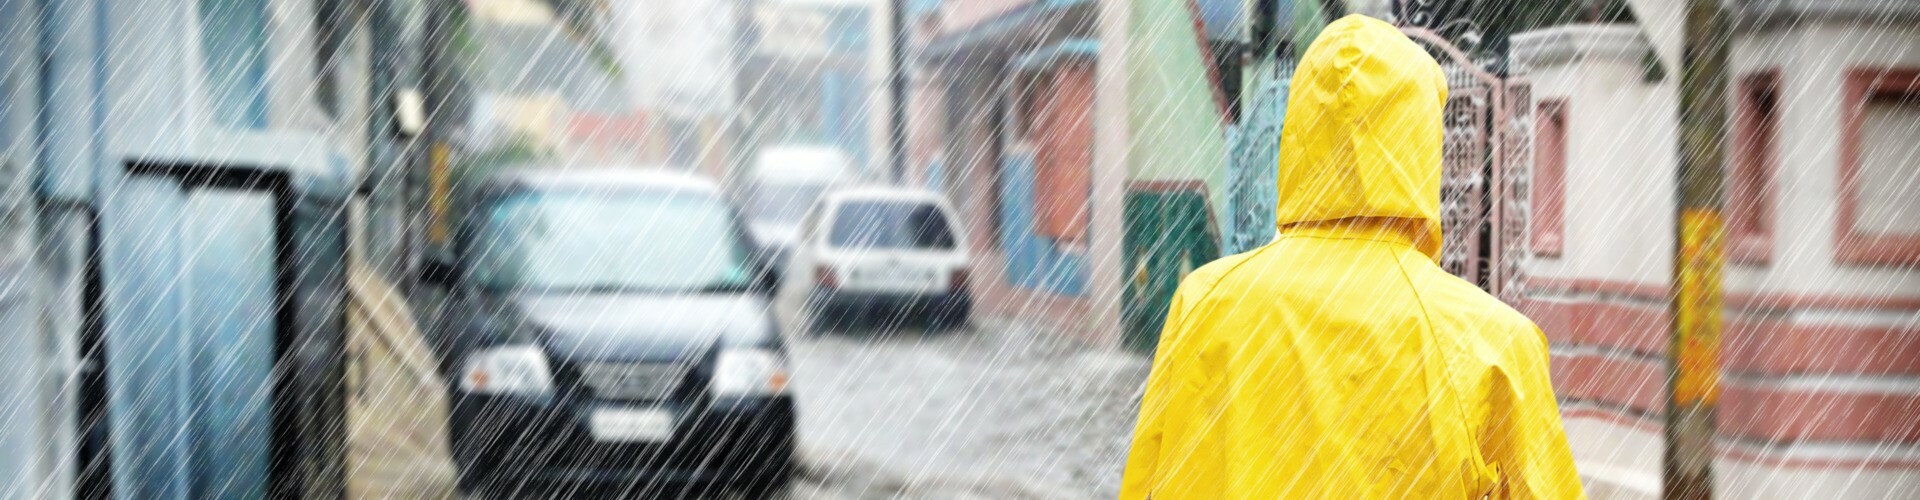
point(886, 250)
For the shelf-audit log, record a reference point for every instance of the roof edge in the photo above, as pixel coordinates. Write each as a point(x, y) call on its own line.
point(1571, 43)
point(1761, 14)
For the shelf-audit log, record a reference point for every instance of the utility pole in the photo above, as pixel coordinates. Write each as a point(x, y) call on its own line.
point(1694, 388)
point(746, 76)
point(897, 90)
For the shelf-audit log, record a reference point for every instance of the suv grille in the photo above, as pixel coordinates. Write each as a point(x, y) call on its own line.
point(634, 380)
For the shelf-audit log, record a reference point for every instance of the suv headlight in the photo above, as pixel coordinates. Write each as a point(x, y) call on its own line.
point(749, 372)
point(516, 370)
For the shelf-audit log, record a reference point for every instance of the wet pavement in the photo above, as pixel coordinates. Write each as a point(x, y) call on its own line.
point(999, 409)
point(1003, 409)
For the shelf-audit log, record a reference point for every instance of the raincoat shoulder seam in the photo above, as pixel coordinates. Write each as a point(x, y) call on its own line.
point(1215, 285)
point(1433, 336)
point(1426, 317)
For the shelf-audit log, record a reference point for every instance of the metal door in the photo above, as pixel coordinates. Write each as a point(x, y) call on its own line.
point(228, 237)
point(221, 292)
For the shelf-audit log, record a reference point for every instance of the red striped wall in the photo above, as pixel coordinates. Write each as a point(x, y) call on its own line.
point(1784, 381)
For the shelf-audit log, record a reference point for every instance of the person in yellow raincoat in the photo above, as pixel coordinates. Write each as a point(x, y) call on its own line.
point(1340, 361)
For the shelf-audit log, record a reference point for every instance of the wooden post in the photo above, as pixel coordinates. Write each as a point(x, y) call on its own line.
point(1694, 387)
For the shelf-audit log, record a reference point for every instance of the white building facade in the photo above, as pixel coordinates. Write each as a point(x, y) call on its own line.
point(1821, 351)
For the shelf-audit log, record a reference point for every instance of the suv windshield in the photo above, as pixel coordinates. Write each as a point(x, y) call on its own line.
point(642, 240)
point(890, 224)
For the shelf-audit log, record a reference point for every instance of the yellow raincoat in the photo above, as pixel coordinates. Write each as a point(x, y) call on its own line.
point(1340, 361)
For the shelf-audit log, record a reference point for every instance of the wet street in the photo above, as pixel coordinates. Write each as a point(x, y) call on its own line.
point(999, 410)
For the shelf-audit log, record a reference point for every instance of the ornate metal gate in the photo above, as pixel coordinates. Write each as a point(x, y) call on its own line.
point(1488, 164)
point(1254, 152)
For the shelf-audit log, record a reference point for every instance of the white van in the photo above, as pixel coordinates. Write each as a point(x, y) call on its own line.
point(783, 184)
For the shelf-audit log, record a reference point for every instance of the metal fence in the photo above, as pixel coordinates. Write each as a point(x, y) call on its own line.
point(1253, 156)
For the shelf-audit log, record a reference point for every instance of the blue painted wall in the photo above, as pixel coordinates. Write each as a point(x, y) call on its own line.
point(1033, 262)
point(188, 312)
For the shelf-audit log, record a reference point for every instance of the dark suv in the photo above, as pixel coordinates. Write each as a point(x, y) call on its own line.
point(612, 328)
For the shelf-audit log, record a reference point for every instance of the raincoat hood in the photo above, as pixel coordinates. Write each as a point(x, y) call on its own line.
point(1362, 135)
point(1340, 360)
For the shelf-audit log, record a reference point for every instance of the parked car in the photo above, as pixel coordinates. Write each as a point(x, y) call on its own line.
point(613, 328)
point(882, 249)
point(784, 182)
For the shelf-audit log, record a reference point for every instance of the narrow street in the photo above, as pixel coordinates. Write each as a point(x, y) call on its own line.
point(1003, 409)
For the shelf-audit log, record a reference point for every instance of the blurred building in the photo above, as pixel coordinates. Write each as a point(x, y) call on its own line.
point(530, 78)
point(1009, 134)
point(1090, 175)
point(175, 221)
point(810, 77)
point(679, 62)
point(650, 83)
point(1821, 354)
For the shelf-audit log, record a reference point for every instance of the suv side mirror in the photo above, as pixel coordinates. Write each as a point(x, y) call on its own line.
point(437, 273)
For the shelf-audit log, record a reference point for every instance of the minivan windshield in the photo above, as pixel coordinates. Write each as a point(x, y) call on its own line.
point(627, 240)
point(782, 203)
point(890, 224)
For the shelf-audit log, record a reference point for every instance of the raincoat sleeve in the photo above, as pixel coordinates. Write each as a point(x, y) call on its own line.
point(1162, 405)
point(1525, 438)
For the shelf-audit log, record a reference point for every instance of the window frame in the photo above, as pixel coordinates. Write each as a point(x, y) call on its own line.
point(1548, 225)
point(1852, 246)
point(1752, 170)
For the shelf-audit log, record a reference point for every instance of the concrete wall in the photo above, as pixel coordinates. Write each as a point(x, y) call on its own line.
point(1812, 60)
point(1608, 104)
point(133, 81)
point(1820, 357)
point(1062, 132)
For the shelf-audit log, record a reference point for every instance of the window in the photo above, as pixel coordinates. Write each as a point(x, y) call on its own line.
point(1750, 186)
point(1549, 178)
point(1879, 207)
point(890, 224)
point(233, 43)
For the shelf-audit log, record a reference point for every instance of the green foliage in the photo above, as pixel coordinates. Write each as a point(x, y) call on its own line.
point(578, 20)
point(519, 151)
point(581, 19)
point(469, 169)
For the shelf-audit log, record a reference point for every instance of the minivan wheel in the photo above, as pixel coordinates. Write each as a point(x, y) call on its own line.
point(815, 319)
point(952, 315)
